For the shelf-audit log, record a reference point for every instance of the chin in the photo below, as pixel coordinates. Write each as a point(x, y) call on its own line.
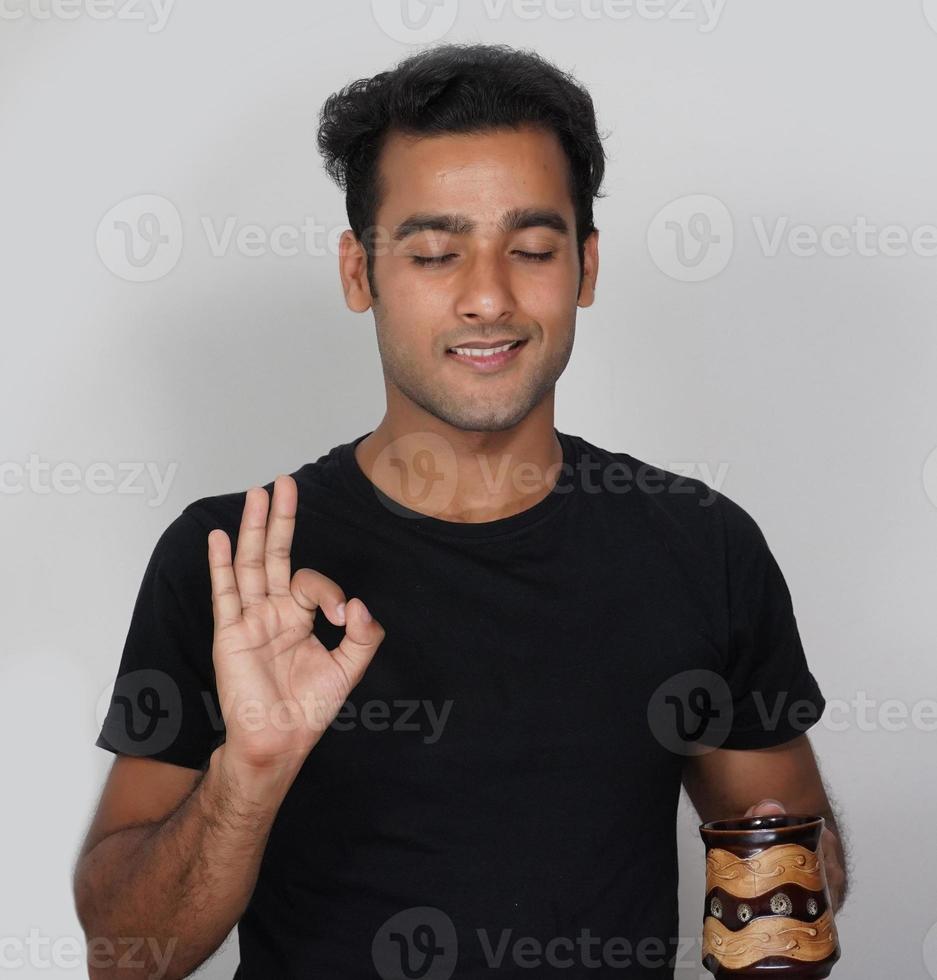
point(484, 421)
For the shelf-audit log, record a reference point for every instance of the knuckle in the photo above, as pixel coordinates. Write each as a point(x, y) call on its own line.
point(247, 562)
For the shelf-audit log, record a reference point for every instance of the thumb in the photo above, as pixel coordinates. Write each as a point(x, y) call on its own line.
point(363, 635)
point(764, 808)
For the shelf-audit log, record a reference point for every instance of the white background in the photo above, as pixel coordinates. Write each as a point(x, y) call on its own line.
point(800, 385)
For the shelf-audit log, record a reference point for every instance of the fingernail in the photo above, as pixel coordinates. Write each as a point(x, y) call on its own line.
point(364, 612)
point(340, 609)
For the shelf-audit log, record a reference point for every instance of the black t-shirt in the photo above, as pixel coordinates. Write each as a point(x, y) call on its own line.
point(498, 796)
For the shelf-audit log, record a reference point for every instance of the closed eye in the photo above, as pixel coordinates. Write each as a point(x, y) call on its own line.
point(438, 260)
point(432, 260)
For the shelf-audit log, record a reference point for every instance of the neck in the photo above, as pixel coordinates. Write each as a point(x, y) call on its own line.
point(461, 475)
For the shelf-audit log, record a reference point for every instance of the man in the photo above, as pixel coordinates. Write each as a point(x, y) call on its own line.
point(413, 715)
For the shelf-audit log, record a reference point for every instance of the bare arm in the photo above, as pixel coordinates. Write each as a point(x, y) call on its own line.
point(173, 855)
point(726, 783)
point(170, 891)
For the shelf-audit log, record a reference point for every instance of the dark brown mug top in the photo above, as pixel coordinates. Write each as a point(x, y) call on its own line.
point(767, 821)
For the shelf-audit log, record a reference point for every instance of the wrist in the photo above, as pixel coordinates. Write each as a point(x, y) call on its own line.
point(258, 786)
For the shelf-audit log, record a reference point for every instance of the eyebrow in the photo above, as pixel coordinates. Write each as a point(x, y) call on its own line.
point(460, 224)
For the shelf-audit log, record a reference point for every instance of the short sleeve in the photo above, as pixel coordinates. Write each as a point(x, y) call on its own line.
point(774, 695)
point(164, 703)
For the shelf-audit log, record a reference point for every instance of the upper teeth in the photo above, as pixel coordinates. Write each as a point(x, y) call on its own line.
point(483, 352)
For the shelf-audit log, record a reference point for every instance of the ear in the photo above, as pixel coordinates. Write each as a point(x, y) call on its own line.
point(590, 269)
point(353, 270)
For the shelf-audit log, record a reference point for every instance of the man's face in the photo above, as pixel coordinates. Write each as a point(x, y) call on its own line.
point(472, 251)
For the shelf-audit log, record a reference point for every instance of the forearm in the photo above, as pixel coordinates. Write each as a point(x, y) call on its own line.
point(839, 885)
point(179, 887)
point(724, 782)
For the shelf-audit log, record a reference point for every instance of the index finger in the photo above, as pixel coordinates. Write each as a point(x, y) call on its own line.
point(226, 600)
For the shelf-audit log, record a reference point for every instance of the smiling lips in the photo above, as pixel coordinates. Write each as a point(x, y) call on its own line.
point(486, 357)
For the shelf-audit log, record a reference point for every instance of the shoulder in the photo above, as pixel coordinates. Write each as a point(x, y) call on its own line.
point(183, 544)
point(669, 494)
point(223, 510)
point(667, 499)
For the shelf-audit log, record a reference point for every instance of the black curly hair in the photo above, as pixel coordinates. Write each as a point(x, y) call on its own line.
point(457, 88)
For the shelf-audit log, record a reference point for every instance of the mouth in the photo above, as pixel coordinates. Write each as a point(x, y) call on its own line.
point(486, 357)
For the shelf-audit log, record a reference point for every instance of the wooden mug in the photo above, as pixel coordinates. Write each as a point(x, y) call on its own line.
point(768, 910)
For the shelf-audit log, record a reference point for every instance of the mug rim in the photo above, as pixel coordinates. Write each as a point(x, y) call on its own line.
point(802, 820)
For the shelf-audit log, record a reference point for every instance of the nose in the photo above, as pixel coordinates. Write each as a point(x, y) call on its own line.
point(484, 294)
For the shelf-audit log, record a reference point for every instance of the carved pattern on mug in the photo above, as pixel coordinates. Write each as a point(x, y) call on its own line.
point(770, 868)
point(769, 936)
point(781, 904)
